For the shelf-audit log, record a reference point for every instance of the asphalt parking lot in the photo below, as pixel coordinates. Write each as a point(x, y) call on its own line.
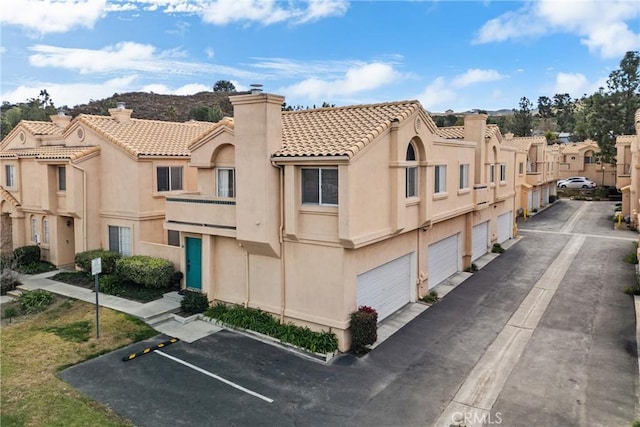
point(579, 366)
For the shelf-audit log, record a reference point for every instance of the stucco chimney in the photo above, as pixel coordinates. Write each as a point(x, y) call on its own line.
point(60, 119)
point(475, 127)
point(257, 135)
point(120, 113)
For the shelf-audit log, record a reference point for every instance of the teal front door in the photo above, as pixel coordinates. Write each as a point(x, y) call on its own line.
point(194, 262)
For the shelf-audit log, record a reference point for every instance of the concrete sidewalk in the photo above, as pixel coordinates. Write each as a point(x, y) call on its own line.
point(159, 314)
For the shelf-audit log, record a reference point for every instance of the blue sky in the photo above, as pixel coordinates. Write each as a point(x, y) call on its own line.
point(455, 55)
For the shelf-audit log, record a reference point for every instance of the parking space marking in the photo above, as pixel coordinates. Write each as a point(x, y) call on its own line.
point(217, 377)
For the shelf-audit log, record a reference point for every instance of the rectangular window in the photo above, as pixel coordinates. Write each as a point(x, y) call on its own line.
point(412, 182)
point(10, 175)
point(45, 230)
point(120, 240)
point(520, 168)
point(62, 178)
point(226, 182)
point(464, 176)
point(492, 174)
point(440, 179)
point(34, 230)
point(173, 237)
point(169, 178)
point(503, 172)
point(320, 186)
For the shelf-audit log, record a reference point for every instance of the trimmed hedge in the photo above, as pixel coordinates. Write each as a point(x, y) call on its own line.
point(194, 302)
point(144, 270)
point(109, 258)
point(364, 328)
point(26, 255)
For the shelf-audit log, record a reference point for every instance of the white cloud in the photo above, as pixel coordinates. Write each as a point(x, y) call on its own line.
point(576, 84)
point(188, 89)
point(437, 96)
point(52, 16)
point(209, 52)
point(128, 56)
point(72, 94)
point(600, 25)
point(475, 75)
point(268, 12)
point(355, 80)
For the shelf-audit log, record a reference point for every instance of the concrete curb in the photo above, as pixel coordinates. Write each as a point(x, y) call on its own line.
point(636, 300)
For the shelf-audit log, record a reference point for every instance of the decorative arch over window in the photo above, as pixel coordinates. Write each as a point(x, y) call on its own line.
point(224, 160)
point(411, 172)
point(589, 157)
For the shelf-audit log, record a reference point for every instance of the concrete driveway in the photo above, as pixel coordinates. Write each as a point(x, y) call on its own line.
point(542, 335)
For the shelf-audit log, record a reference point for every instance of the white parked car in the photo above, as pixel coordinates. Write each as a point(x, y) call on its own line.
point(576, 182)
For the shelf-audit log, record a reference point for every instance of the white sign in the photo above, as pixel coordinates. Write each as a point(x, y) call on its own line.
point(96, 266)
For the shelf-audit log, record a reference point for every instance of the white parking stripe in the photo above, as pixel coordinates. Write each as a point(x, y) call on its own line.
point(217, 377)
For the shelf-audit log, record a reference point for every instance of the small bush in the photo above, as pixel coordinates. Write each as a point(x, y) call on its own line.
point(36, 267)
point(10, 313)
point(35, 301)
point(364, 328)
point(26, 255)
point(8, 283)
point(431, 298)
point(108, 260)
point(632, 290)
point(497, 248)
point(194, 302)
point(6, 261)
point(109, 284)
point(145, 270)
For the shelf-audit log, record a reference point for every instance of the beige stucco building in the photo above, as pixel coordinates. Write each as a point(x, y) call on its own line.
point(304, 214)
point(582, 159)
point(627, 177)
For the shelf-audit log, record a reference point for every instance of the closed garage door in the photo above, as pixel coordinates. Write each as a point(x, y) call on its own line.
point(535, 200)
point(387, 287)
point(504, 227)
point(480, 240)
point(545, 195)
point(444, 259)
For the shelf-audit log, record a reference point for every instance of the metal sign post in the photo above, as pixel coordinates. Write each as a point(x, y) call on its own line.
point(96, 269)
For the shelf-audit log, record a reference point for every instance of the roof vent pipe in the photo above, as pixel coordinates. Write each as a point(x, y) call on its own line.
point(256, 88)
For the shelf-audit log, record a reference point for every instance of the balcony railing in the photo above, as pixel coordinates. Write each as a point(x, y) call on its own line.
point(209, 212)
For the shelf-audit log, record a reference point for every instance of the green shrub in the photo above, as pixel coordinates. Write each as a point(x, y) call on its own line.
point(631, 258)
point(112, 284)
point(194, 302)
point(8, 283)
point(108, 260)
point(632, 290)
point(6, 261)
point(431, 298)
point(497, 248)
point(10, 312)
point(145, 270)
point(35, 301)
point(109, 284)
point(36, 267)
point(26, 255)
point(260, 321)
point(364, 328)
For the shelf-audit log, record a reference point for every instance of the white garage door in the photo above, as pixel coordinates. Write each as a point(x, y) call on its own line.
point(504, 227)
point(388, 287)
point(545, 195)
point(529, 200)
point(480, 242)
point(536, 199)
point(444, 259)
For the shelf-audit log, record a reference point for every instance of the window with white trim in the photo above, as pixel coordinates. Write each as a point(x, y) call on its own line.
point(169, 178)
point(45, 230)
point(120, 240)
point(440, 179)
point(464, 176)
point(34, 229)
point(320, 186)
point(503, 172)
point(226, 182)
point(10, 175)
point(411, 173)
point(62, 178)
point(492, 173)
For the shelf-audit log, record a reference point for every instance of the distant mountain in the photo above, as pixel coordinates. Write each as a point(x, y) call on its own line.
point(153, 106)
point(502, 112)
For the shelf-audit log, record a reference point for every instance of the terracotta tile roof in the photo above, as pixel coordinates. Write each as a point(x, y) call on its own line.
point(50, 152)
point(148, 137)
point(457, 132)
point(578, 147)
point(9, 197)
point(225, 122)
point(341, 131)
point(42, 128)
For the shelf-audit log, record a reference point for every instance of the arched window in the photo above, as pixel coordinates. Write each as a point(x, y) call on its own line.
point(411, 172)
point(45, 230)
point(589, 157)
point(34, 229)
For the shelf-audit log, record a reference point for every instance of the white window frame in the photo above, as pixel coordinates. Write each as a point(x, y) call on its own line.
point(10, 176)
point(321, 200)
point(411, 173)
point(62, 178)
point(45, 230)
point(171, 171)
point(123, 245)
point(503, 172)
point(222, 178)
point(34, 229)
point(440, 179)
point(492, 173)
point(464, 176)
